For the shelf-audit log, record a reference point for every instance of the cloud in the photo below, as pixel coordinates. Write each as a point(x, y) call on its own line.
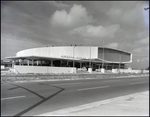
point(96, 31)
point(127, 13)
point(11, 44)
point(112, 45)
point(140, 46)
point(141, 50)
point(137, 50)
point(77, 16)
point(114, 13)
point(133, 15)
point(143, 41)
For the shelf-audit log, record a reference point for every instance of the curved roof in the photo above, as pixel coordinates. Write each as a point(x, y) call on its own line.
point(82, 53)
point(82, 46)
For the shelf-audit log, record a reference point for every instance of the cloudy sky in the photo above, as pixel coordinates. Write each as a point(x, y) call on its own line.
point(121, 24)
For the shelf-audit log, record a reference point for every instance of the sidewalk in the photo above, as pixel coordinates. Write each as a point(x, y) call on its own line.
point(134, 104)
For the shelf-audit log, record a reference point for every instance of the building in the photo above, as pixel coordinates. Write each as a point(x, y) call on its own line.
point(70, 57)
point(5, 64)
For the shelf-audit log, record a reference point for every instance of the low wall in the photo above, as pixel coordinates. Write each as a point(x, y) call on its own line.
point(2, 67)
point(145, 71)
point(43, 69)
point(114, 70)
point(129, 71)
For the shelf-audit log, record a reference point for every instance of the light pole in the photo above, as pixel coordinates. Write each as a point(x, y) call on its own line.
point(73, 55)
point(90, 68)
point(119, 61)
point(102, 69)
point(103, 55)
point(146, 8)
point(90, 56)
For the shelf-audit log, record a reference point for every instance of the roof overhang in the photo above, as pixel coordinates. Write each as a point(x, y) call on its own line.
point(97, 60)
point(33, 57)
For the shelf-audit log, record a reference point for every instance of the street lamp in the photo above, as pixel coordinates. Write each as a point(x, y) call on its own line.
point(146, 8)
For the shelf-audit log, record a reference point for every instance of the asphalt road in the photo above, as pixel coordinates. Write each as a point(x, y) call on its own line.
point(35, 98)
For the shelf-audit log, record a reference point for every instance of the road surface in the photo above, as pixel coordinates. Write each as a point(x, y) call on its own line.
point(33, 98)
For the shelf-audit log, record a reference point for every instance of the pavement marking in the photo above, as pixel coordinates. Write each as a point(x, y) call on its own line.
point(111, 80)
point(12, 97)
point(67, 83)
point(137, 83)
point(93, 88)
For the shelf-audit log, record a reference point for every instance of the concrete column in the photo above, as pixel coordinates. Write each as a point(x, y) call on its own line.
point(80, 64)
point(86, 64)
point(37, 62)
point(13, 62)
point(61, 62)
point(28, 61)
point(99, 66)
point(19, 61)
point(51, 63)
point(74, 64)
point(67, 64)
point(42, 62)
point(106, 66)
point(22, 61)
point(32, 62)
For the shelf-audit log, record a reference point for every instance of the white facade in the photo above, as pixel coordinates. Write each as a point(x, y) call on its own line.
point(42, 69)
point(62, 52)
